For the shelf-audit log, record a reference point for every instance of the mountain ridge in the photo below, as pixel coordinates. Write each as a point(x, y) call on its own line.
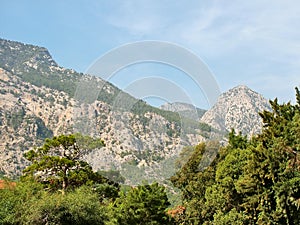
point(38, 102)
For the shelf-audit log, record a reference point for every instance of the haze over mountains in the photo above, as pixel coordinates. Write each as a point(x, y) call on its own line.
point(37, 101)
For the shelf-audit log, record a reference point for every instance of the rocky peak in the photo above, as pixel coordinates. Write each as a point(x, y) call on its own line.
point(18, 57)
point(237, 108)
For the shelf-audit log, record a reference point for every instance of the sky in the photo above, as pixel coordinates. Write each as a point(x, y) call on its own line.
point(254, 43)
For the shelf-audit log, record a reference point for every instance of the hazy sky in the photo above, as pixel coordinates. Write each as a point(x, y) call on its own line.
point(255, 43)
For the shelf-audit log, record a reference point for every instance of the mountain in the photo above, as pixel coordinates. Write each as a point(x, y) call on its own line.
point(39, 99)
point(237, 108)
point(184, 109)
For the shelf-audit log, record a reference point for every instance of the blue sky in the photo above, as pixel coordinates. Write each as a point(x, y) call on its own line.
point(255, 43)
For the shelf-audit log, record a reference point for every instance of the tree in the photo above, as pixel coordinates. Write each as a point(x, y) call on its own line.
point(193, 181)
point(144, 204)
point(274, 166)
point(237, 141)
point(58, 165)
point(79, 207)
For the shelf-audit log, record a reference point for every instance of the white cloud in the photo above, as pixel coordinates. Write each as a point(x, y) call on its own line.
point(262, 34)
point(136, 17)
point(208, 25)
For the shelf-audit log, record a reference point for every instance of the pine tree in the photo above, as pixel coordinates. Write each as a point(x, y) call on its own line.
point(58, 165)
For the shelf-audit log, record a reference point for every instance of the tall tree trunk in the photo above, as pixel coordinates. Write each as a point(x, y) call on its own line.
point(64, 182)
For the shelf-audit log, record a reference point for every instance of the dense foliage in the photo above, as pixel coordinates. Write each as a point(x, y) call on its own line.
point(254, 181)
point(144, 204)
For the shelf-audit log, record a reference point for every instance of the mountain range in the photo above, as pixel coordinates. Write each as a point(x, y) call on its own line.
point(38, 100)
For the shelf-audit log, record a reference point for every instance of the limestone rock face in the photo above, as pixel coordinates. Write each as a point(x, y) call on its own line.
point(237, 108)
point(39, 99)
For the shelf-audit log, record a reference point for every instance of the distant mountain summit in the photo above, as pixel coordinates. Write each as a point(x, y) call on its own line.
point(184, 109)
point(237, 108)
